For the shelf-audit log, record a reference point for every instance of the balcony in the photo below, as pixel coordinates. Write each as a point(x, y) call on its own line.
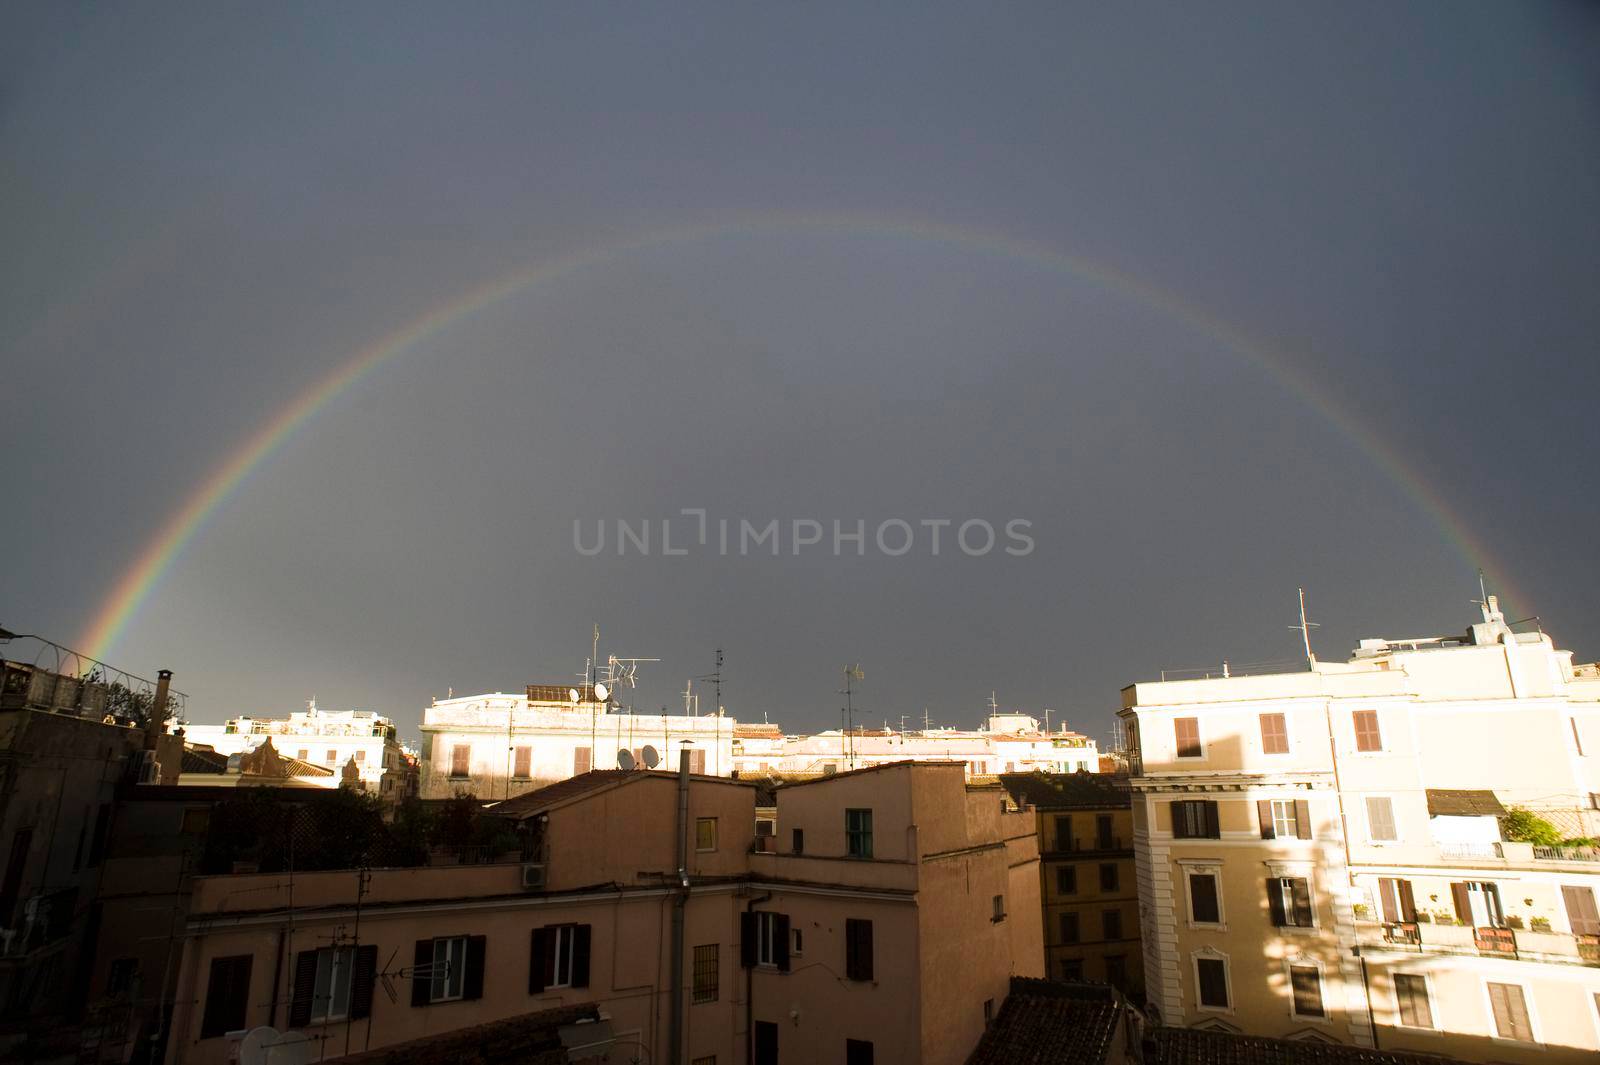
point(1514, 944)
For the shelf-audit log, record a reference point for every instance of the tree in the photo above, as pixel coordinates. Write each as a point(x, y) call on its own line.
point(126, 704)
point(1524, 826)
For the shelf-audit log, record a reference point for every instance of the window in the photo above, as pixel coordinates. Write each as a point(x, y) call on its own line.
point(999, 913)
point(797, 943)
point(582, 760)
point(1380, 819)
point(448, 969)
point(1577, 737)
point(857, 949)
point(1111, 924)
point(1411, 993)
point(460, 760)
point(1396, 901)
point(1289, 898)
point(1108, 876)
point(764, 939)
point(1203, 905)
point(706, 969)
point(1117, 970)
point(857, 1052)
point(1284, 818)
point(766, 827)
point(705, 834)
point(1195, 819)
point(1187, 731)
point(1581, 912)
point(304, 755)
point(361, 756)
point(1135, 757)
point(333, 756)
point(559, 957)
point(1274, 734)
point(330, 994)
point(120, 979)
point(1069, 928)
point(1072, 968)
point(523, 767)
point(697, 762)
point(1305, 984)
point(858, 833)
point(1211, 975)
point(1510, 1011)
point(227, 996)
point(1102, 831)
point(1478, 904)
point(1063, 827)
point(799, 841)
point(1368, 736)
point(766, 1043)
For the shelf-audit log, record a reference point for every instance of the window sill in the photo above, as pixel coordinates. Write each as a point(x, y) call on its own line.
point(1202, 926)
point(1310, 1018)
point(1298, 929)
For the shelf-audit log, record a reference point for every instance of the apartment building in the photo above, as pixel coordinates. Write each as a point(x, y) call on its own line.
point(886, 928)
point(331, 739)
point(1322, 854)
point(1088, 888)
point(1007, 743)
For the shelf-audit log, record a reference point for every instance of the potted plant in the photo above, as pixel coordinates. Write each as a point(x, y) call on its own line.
point(1540, 924)
point(1514, 921)
point(1360, 909)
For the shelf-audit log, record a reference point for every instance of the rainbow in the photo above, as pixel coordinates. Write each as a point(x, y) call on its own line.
point(139, 580)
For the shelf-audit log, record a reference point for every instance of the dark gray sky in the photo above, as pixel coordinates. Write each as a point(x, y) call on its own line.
point(206, 209)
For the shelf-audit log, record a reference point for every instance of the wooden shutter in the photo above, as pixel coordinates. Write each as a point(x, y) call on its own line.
point(1275, 901)
point(780, 941)
point(1389, 900)
point(1274, 734)
point(305, 986)
point(1203, 898)
point(1187, 732)
point(1179, 829)
point(1307, 984)
point(1300, 898)
point(697, 762)
point(1213, 982)
point(361, 982)
point(1463, 900)
point(1368, 735)
point(858, 949)
point(472, 979)
point(541, 959)
point(422, 968)
point(1510, 1012)
point(582, 758)
point(524, 761)
point(1264, 815)
point(580, 955)
point(1302, 818)
point(1213, 826)
point(1380, 818)
point(460, 760)
point(1411, 991)
point(1581, 910)
point(747, 939)
point(227, 996)
point(1408, 904)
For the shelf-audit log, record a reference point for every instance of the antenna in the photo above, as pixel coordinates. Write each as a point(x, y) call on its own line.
point(851, 673)
point(715, 677)
point(1305, 628)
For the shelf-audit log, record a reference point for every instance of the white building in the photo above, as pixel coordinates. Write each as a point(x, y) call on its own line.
point(498, 745)
point(321, 737)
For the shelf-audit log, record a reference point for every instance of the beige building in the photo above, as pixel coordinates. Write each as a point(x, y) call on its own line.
point(1007, 743)
point(885, 927)
point(1088, 889)
point(365, 742)
point(1320, 854)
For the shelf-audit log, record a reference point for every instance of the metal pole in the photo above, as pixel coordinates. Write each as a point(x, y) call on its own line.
point(675, 1028)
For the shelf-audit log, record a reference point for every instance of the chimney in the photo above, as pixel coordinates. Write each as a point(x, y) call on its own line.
point(158, 710)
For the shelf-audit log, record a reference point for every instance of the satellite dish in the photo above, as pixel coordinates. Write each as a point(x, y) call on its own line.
point(651, 756)
point(601, 691)
point(573, 692)
point(625, 760)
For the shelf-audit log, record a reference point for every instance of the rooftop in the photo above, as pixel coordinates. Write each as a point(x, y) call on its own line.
point(1047, 1023)
point(1065, 791)
point(1463, 803)
point(533, 802)
point(1185, 1046)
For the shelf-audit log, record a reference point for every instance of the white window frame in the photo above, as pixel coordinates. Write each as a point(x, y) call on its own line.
point(339, 964)
point(767, 939)
point(1427, 989)
point(565, 942)
point(1214, 871)
point(1304, 962)
point(1366, 813)
point(1285, 827)
point(454, 962)
point(797, 942)
point(1199, 733)
point(1527, 1002)
point(1212, 954)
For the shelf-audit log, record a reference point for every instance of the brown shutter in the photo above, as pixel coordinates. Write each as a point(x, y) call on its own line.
point(1275, 901)
point(1302, 818)
point(1179, 829)
point(421, 980)
point(361, 982)
point(1510, 1012)
point(780, 945)
point(1408, 904)
point(1463, 901)
point(305, 985)
point(1389, 900)
point(747, 939)
point(1581, 910)
point(1213, 824)
point(541, 958)
point(1300, 897)
point(472, 978)
point(1264, 815)
point(227, 996)
point(580, 956)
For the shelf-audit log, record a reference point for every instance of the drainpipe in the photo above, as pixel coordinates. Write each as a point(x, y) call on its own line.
point(675, 1028)
point(749, 993)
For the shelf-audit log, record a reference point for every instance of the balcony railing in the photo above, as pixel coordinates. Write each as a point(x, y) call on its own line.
point(1488, 942)
point(1469, 851)
point(1566, 854)
point(1088, 846)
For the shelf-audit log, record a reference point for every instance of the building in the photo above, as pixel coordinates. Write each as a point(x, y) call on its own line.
point(1321, 854)
point(886, 928)
point(497, 746)
point(1008, 743)
point(1088, 888)
point(329, 739)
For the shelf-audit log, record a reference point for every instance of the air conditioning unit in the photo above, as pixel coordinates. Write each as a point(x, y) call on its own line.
point(533, 876)
point(149, 768)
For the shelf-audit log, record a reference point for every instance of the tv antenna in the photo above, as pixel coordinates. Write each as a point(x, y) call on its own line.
point(1305, 628)
point(851, 673)
point(715, 677)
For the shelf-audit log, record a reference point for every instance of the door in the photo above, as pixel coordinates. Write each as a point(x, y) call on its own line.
point(766, 1043)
